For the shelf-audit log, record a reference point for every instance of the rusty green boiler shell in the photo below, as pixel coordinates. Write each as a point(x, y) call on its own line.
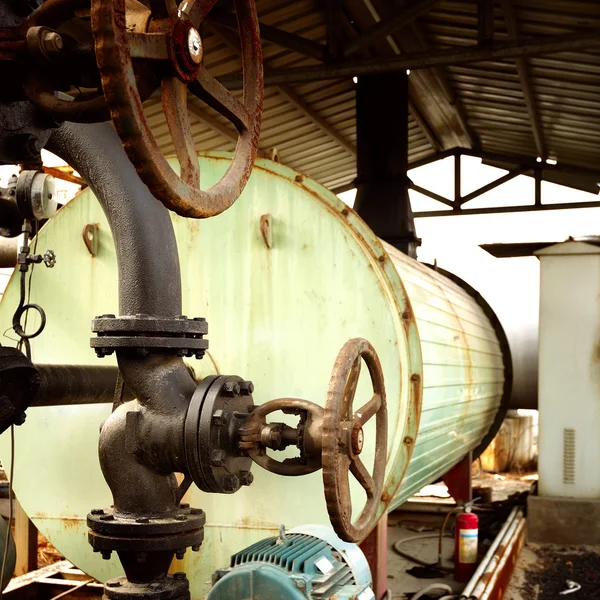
point(280, 304)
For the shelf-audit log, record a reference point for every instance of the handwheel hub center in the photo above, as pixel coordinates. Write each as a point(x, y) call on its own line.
point(358, 439)
point(185, 49)
point(194, 45)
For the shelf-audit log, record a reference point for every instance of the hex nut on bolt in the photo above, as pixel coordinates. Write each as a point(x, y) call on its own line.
point(113, 584)
point(231, 483)
point(52, 42)
point(231, 388)
point(247, 388)
point(218, 418)
point(246, 477)
point(179, 576)
point(217, 458)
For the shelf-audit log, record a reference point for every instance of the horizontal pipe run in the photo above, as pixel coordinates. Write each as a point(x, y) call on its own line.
point(500, 569)
point(70, 385)
point(491, 560)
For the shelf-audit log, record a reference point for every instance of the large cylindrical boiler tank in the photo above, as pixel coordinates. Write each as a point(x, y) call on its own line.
point(284, 278)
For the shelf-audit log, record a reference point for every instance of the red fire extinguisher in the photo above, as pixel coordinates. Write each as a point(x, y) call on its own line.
point(465, 545)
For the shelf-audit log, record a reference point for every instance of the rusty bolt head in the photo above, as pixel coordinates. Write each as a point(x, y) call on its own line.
point(196, 511)
point(358, 439)
point(142, 520)
point(107, 518)
point(179, 554)
point(179, 575)
point(106, 554)
point(196, 548)
point(194, 45)
point(247, 388)
point(408, 440)
point(113, 583)
point(184, 505)
point(97, 511)
point(217, 458)
point(218, 418)
point(231, 483)
point(180, 518)
point(52, 42)
point(246, 477)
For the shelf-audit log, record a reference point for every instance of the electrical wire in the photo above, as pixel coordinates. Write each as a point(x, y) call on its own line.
point(24, 341)
point(434, 586)
point(414, 559)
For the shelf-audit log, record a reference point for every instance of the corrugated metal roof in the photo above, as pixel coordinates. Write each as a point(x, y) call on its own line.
point(479, 105)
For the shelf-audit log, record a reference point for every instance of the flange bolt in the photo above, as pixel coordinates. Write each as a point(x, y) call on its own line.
point(217, 458)
point(246, 477)
point(247, 388)
point(231, 483)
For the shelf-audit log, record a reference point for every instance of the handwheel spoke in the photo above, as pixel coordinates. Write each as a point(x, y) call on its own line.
point(358, 469)
point(197, 10)
point(174, 99)
point(152, 46)
point(350, 389)
point(366, 411)
point(213, 93)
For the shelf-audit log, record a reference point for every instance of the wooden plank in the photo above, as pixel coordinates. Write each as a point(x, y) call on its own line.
point(26, 544)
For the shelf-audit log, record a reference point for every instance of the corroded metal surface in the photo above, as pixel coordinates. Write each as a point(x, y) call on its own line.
point(289, 306)
point(182, 70)
point(464, 372)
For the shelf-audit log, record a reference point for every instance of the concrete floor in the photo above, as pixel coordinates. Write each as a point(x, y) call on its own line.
point(422, 532)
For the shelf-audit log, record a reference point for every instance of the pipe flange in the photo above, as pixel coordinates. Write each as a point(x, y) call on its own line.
point(143, 333)
point(217, 411)
point(19, 384)
point(110, 531)
point(174, 587)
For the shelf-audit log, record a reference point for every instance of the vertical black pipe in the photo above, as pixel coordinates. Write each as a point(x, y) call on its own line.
point(148, 263)
point(382, 159)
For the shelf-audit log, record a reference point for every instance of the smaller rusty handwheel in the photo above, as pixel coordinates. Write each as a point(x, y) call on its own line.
point(38, 86)
point(173, 41)
point(343, 441)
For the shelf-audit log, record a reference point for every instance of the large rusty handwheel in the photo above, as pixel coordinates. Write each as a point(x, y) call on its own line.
point(174, 42)
point(343, 441)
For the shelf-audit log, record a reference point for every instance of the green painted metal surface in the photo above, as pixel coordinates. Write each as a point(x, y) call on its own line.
point(278, 316)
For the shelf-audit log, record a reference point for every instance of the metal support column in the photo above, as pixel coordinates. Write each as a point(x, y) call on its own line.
point(382, 159)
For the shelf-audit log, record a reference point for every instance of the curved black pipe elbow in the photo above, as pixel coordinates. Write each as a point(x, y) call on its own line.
point(138, 469)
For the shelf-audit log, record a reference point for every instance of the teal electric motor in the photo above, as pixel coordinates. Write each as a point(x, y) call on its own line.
point(308, 562)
